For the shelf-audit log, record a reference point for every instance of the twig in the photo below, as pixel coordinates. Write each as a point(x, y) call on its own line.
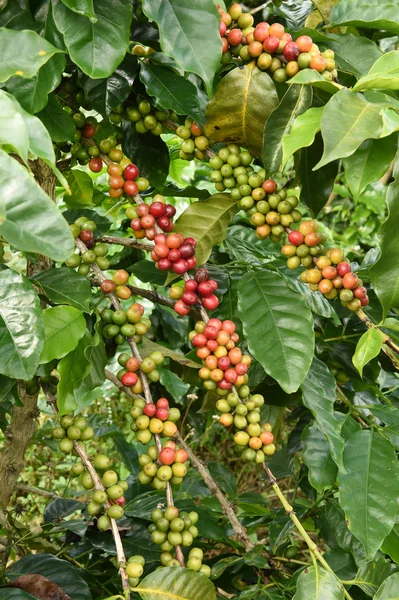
point(315, 551)
point(52, 401)
point(34, 490)
point(128, 242)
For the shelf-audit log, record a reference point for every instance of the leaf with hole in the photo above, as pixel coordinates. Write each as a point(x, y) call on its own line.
point(178, 22)
point(207, 222)
point(243, 101)
point(278, 326)
point(296, 100)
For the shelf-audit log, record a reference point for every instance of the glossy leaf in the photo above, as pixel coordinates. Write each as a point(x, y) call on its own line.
point(82, 7)
point(119, 84)
point(353, 53)
point(391, 544)
point(149, 152)
point(369, 489)
point(369, 163)
point(237, 112)
point(23, 53)
point(178, 582)
point(316, 456)
point(178, 20)
point(81, 185)
point(389, 415)
point(148, 347)
point(17, 15)
point(171, 90)
point(64, 326)
point(33, 93)
point(302, 132)
point(316, 186)
point(57, 121)
point(15, 594)
point(372, 574)
point(317, 583)
point(385, 273)
point(73, 368)
point(318, 394)
point(389, 589)
point(207, 223)
point(278, 327)
point(348, 119)
point(62, 572)
point(295, 102)
point(374, 14)
point(96, 47)
point(174, 385)
point(21, 326)
point(14, 135)
point(24, 226)
point(367, 348)
point(94, 376)
point(60, 508)
point(313, 78)
point(223, 477)
point(65, 286)
point(383, 75)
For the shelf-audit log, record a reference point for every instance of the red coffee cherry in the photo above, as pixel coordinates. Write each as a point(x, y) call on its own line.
point(150, 409)
point(201, 275)
point(234, 37)
point(86, 235)
point(190, 285)
point(343, 268)
point(88, 130)
point(304, 43)
point(108, 286)
point(157, 209)
point(170, 211)
point(205, 288)
point(131, 172)
point(181, 307)
point(210, 302)
point(190, 298)
point(129, 379)
point(165, 224)
point(167, 456)
point(291, 51)
point(95, 165)
point(360, 292)
point(162, 414)
point(350, 281)
point(270, 45)
point(296, 238)
point(180, 266)
point(269, 186)
point(130, 188)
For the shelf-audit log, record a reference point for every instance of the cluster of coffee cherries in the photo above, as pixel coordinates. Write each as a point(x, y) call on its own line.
point(271, 46)
point(111, 500)
point(225, 365)
point(134, 569)
point(254, 441)
point(171, 528)
point(232, 170)
point(70, 430)
point(117, 285)
point(157, 468)
point(123, 180)
point(144, 218)
point(143, 114)
point(174, 252)
point(200, 289)
point(128, 374)
point(121, 324)
point(153, 419)
point(194, 142)
point(83, 229)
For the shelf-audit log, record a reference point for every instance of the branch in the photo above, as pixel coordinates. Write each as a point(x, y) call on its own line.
point(35, 490)
point(128, 242)
point(52, 401)
point(227, 507)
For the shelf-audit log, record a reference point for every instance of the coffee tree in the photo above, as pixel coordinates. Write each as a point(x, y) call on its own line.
point(199, 349)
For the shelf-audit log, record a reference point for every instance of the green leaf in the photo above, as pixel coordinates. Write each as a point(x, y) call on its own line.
point(23, 53)
point(383, 75)
point(278, 326)
point(353, 53)
point(171, 90)
point(341, 563)
point(97, 48)
point(16, 594)
point(17, 15)
point(63, 573)
point(389, 589)
point(391, 544)
point(207, 222)
point(367, 348)
point(373, 14)
point(178, 20)
point(178, 582)
point(21, 326)
point(25, 205)
point(65, 286)
point(389, 415)
point(369, 489)
point(174, 385)
point(237, 112)
point(14, 135)
point(94, 376)
point(57, 121)
point(223, 477)
point(295, 101)
point(318, 394)
point(302, 132)
point(385, 273)
point(348, 119)
point(82, 7)
point(318, 584)
point(316, 456)
point(60, 508)
point(390, 121)
point(372, 574)
point(149, 152)
point(313, 78)
point(148, 347)
point(64, 326)
point(81, 185)
point(369, 163)
point(72, 369)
